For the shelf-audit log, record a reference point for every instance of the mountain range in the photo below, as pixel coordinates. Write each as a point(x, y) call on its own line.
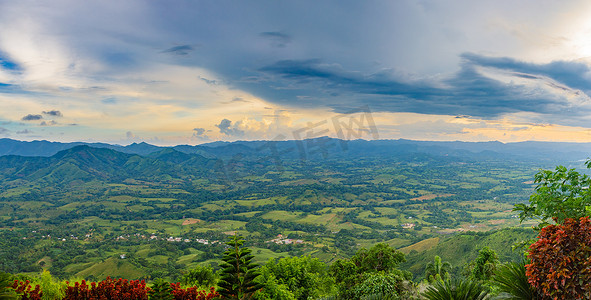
point(322, 147)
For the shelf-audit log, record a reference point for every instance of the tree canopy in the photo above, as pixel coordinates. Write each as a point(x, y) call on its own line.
point(560, 194)
point(237, 280)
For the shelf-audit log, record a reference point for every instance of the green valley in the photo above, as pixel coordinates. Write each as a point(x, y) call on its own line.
point(85, 210)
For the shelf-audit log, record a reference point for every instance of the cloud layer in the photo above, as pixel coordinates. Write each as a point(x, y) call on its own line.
point(201, 71)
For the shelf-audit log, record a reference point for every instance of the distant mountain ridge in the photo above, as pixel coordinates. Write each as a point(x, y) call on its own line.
point(322, 146)
point(85, 163)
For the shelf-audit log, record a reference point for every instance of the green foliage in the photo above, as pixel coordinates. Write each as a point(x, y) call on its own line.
point(201, 276)
point(25, 290)
point(160, 290)
point(380, 257)
point(456, 290)
point(461, 249)
point(511, 279)
point(51, 287)
point(564, 193)
point(6, 290)
point(272, 289)
point(561, 260)
point(381, 297)
point(378, 266)
point(437, 270)
point(380, 283)
point(484, 266)
point(237, 278)
point(304, 277)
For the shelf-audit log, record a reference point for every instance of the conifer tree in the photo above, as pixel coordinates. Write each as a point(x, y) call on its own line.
point(161, 290)
point(238, 273)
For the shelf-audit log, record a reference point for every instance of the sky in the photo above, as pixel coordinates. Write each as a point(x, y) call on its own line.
point(192, 72)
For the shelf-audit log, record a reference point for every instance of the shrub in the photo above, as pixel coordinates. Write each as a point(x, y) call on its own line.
point(160, 290)
point(561, 260)
point(51, 287)
point(121, 289)
point(192, 293)
point(26, 292)
point(6, 290)
point(199, 276)
point(511, 279)
point(456, 289)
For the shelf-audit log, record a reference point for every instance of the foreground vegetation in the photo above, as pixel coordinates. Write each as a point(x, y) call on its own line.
point(370, 274)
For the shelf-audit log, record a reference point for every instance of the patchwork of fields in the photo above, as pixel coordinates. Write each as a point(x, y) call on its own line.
point(119, 214)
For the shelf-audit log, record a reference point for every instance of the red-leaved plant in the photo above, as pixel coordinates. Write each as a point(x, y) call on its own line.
point(561, 260)
point(192, 293)
point(26, 292)
point(121, 289)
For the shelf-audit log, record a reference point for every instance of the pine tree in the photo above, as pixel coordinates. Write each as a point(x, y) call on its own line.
point(238, 273)
point(161, 290)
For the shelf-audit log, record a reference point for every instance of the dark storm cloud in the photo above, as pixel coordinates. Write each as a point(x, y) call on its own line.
point(54, 113)
point(31, 117)
point(467, 92)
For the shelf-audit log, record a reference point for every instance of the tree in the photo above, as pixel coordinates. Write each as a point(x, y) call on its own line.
point(437, 270)
point(379, 283)
point(160, 290)
point(51, 287)
point(483, 267)
point(561, 260)
point(237, 280)
point(378, 266)
point(272, 289)
point(380, 257)
point(304, 277)
point(200, 276)
point(562, 194)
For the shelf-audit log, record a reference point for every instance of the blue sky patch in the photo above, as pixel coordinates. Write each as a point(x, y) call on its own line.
point(8, 64)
